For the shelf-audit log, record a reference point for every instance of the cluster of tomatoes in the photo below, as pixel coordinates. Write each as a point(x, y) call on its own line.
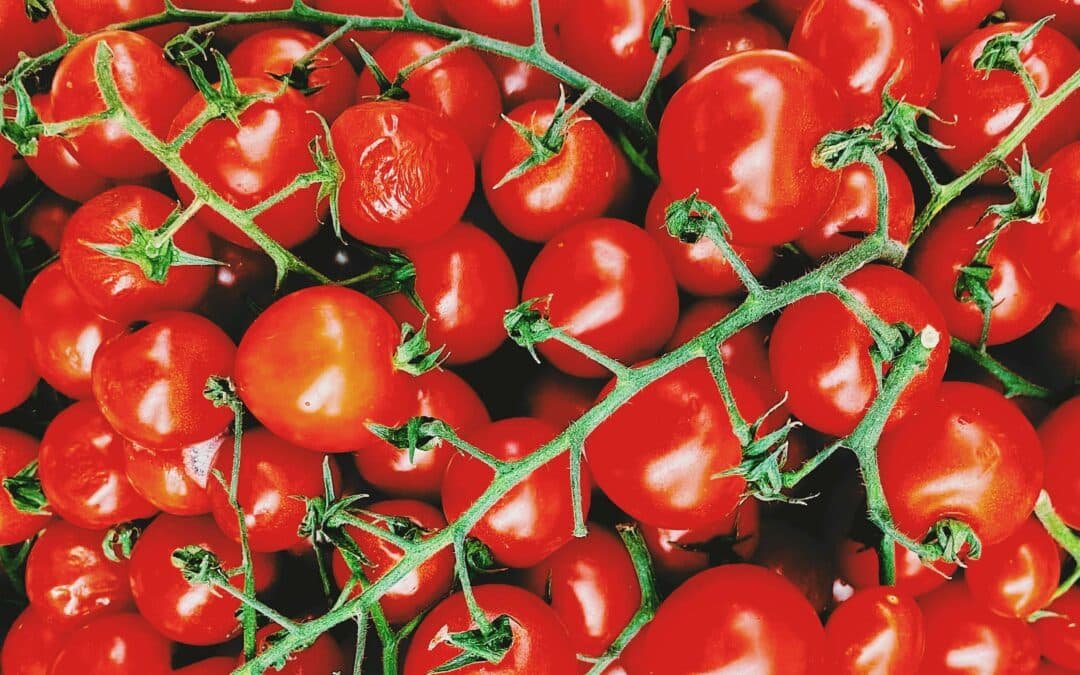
point(449, 174)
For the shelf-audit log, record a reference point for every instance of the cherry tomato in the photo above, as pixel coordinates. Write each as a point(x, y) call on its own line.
point(1066, 14)
point(877, 630)
point(371, 39)
point(216, 665)
point(16, 451)
point(519, 82)
point(954, 19)
point(611, 288)
point(725, 34)
point(194, 614)
point(32, 642)
point(540, 644)
point(118, 289)
point(407, 173)
point(321, 656)
point(115, 644)
point(1058, 434)
point(88, 16)
point(47, 218)
point(57, 167)
point(1019, 303)
point(81, 467)
point(173, 481)
point(859, 567)
point(23, 35)
point(679, 554)
point(1017, 576)
point(535, 518)
point(720, 135)
point(560, 399)
point(17, 374)
point(1059, 635)
point(718, 7)
point(609, 40)
point(317, 365)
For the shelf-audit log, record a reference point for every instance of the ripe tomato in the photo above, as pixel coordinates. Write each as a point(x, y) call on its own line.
point(540, 643)
point(81, 466)
point(466, 283)
point(118, 289)
point(16, 451)
point(115, 644)
point(23, 35)
point(954, 19)
point(421, 588)
point(718, 7)
point(719, 135)
point(1066, 13)
point(1019, 303)
point(519, 82)
point(1058, 434)
point(152, 89)
point(173, 481)
point(57, 167)
point(17, 374)
point(88, 16)
point(321, 656)
point(1017, 576)
point(317, 365)
point(560, 399)
point(609, 40)
point(859, 567)
point(407, 173)
point(725, 34)
point(215, 665)
point(509, 20)
point(440, 394)
point(47, 218)
point(611, 288)
point(877, 630)
point(535, 518)
point(194, 614)
point(32, 642)
point(371, 39)
point(736, 618)
point(1060, 636)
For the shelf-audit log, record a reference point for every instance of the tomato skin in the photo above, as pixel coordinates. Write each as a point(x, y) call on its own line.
point(16, 451)
point(174, 481)
point(540, 646)
point(1019, 303)
point(954, 19)
point(723, 114)
point(614, 260)
point(859, 567)
point(1066, 14)
point(560, 399)
point(371, 39)
point(877, 631)
point(55, 164)
point(1058, 433)
point(17, 374)
point(87, 16)
point(407, 173)
point(1017, 576)
point(1060, 636)
point(420, 589)
point(118, 289)
point(115, 644)
point(440, 394)
point(24, 35)
point(535, 518)
point(725, 34)
point(81, 467)
point(679, 554)
point(509, 20)
point(1051, 247)
point(32, 642)
point(321, 656)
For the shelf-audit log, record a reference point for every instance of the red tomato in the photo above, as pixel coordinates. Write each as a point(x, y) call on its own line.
point(609, 40)
point(970, 455)
point(592, 586)
point(734, 618)
point(1066, 13)
point(560, 399)
point(535, 518)
point(725, 34)
point(317, 365)
point(371, 39)
point(321, 656)
point(16, 451)
point(466, 283)
point(32, 642)
point(519, 82)
point(965, 638)
point(954, 19)
point(152, 89)
point(57, 167)
point(194, 614)
point(407, 174)
point(458, 86)
point(116, 644)
point(1060, 636)
point(718, 7)
point(1020, 304)
point(81, 466)
point(216, 665)
point(1051, 246)
point(440, 394)
point(611, 288)
point(17, 374)
point(1017, 576)
point(117, 289)
point(978, 108)
point(720, 135)
point(23, 35)
point(47, 218)
point(877, 630)
point(173, 481)
point(422, 587)
point(540, 644)
point(87, 16)
point(859, 567)
point(1058, 434)
point(679, 554)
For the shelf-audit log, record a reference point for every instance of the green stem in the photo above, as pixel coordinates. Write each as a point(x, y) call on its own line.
point(1014, 384)
point(162, 236)
point(749, 281)
point(738, 423)
point(1061, 532)
point(461, 568)
point(793, 478)
point(361, 643)
point(580, 530)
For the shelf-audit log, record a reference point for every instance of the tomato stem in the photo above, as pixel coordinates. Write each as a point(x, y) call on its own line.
point(1013, 383)
point(1065, 537)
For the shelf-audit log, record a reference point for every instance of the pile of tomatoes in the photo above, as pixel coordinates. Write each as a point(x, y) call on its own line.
point(304, 244)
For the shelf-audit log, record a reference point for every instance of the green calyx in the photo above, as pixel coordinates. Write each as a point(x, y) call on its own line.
point(198, 565)
point(153, 255)
point(24, 491)
point(1002, 52)
point(119, 541)
point(414, 354)
point(418, 433)
point(528, 324)
point(479, 645)
point(546, 146)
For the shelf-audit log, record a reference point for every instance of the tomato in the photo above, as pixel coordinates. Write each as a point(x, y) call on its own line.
point(977, 109)
point(118, 289)
point(963, 637)
point(116, 644)
point(519, 82)
point(317, 365)
point(194, 614)
point(1051, 246)
point(152, 89)
point(877, 630)
point(591, 584)
point(609, 40)
point(535, 518)
point(276, 51)
point(466, 283)
point(31, 643)
point(17, 374)
point(1060, 636)
point(88, 16)
point(23, 35)
point(458, 85)
point(421, 588)
point(859, 567)
point(720, 135)
point(954, 19)
point(611, 288)
point(718, 7)
point(371, 39)
point(16, 451)
point(560, 399)
point(440, 394)
point(321, 656)
point(1058, 434)
point(47, 218)
point(725, 34)
point(509, 20)
point(55, 164)
point(81, 467)
point(216, 665)
point(540, 643)
point(853, 214)
point(173, 481)
point(1066, 13)
point(407, 174)
point(679, 554)
point(1019, 303)
point(1017, 576)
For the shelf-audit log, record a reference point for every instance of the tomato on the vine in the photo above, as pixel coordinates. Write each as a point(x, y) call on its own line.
point(1058, 433)
point(115, 644)
point(17, 450)
point(1059, 636)
point(560, 399)
point(1016, 577)
point(505, 19)
point(877, 630)
point(725, 34)
point(55, 164)
point(174, 481)
point(371, 39)
point(520, 82)
point(47, 218)
point(18, 377)
point(87, 16)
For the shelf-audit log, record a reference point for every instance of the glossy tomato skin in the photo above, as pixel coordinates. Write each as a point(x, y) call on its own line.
point(194, 614)
point(877, 630)
point(443, 395)
point(118, 289)
point(30, 37)
point(151, 88)
point(86, 16)
point(540, 646)
point(321, 656)
point(81, 467)
point(533, 519)
point(720, 120)
point(16, 451)
point(981, 108)
point(371, 39)
point(1059, 636)
point(1017, 576)
point(1051, 246)
point(614, 260)
point(18, 377)
point(726, 34)
point(1066, 14)
point(407, 173)
point(32, 642)
point(970, 455)
point(559, 399)
point(466, 283)
point(859, 567)
point(174, 481)
point(55, 164)
point(679, 554)
point(115, 644)
point(1019, 303)
point(419, 589)
point(954, 19)
point(505, 19)
point(317, 365)
point(1058, 433)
